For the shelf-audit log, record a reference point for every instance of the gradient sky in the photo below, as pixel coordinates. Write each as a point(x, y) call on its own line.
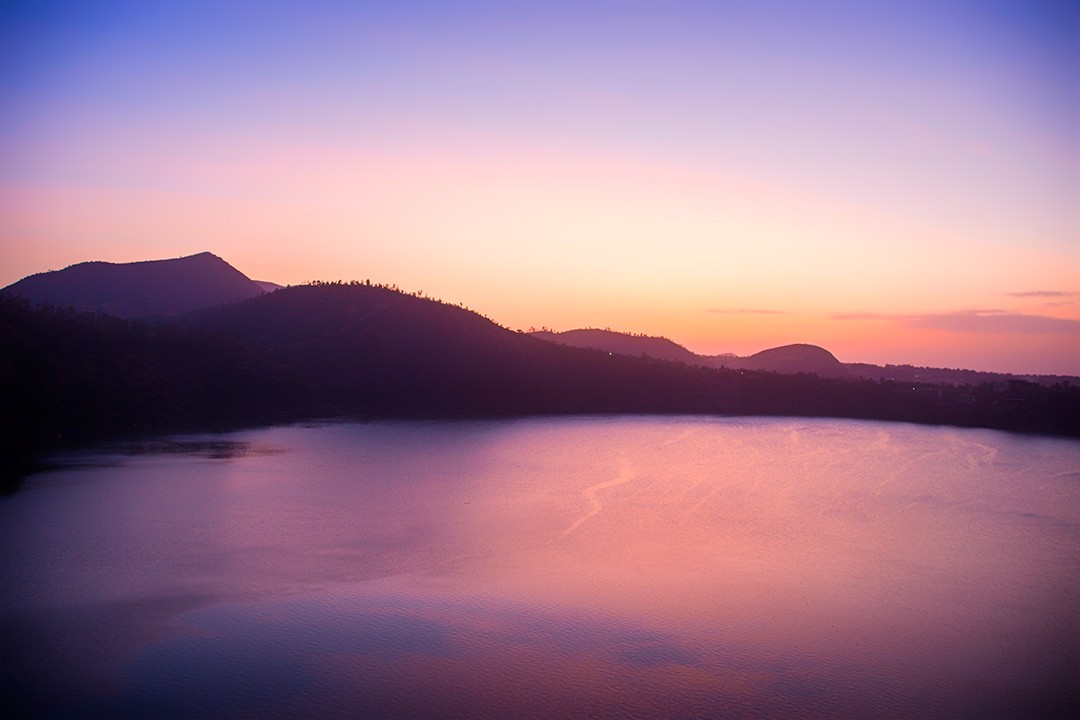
point(897, 182)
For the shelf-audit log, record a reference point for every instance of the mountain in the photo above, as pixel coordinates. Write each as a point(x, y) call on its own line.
point(789, 359)
point(153, 288)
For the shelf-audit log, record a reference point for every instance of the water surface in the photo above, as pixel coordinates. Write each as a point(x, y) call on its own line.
point(680, 567)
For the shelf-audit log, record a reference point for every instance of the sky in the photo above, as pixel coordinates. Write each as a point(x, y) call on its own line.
point(896, 182)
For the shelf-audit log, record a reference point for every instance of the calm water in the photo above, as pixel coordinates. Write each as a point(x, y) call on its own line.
point(675, 567)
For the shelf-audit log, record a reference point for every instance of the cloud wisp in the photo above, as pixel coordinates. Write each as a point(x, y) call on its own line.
point(996, 323)
point(1042, 294)
point(990, 321)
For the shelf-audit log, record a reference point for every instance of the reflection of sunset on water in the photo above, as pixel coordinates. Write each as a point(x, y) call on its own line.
point(656, 566)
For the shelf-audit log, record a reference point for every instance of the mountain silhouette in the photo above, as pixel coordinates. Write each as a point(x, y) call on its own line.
point(787, 359)
point(367, 351)
point(140, 289)
point(798, 358)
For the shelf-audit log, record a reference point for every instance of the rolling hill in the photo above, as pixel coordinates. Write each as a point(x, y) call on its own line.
point(345, 348)
point(659, 348)
point(798, 358)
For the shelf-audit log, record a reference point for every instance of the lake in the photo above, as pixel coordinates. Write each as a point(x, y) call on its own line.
point(557, 567)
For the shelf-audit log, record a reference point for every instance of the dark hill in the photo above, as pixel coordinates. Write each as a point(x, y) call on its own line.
point(336, 350)
point(140, 289)
point(798, 358)
point(622, 343)
point(348, 348)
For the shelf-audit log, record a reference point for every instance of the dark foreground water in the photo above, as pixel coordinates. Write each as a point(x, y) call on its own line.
point(631, 567)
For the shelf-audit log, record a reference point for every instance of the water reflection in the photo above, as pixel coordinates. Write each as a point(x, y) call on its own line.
point(121, 452)
point(600, 567)
point(394, 656)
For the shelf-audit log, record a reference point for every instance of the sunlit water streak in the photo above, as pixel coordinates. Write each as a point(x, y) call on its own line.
point(550, 568)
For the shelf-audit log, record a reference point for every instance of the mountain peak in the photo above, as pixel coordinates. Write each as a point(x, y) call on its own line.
point(140, 289)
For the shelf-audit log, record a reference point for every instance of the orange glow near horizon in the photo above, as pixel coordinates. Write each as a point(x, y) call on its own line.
point(617, 183)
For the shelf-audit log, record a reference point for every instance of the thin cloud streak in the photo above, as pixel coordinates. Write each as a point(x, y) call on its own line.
point(996, 323)
point(864, 316)
point(990, 321)
point(1042, 294)
point(896, 316)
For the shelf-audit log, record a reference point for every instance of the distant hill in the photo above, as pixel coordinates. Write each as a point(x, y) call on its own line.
point(789, 359)
point(267, 286)
point(798, 358)
point(623, 343)
point(950, 376)
point(153, 288)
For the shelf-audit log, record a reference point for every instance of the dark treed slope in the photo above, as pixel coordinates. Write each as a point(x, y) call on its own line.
point(347, 348)
point(329, 350)
point(301, 352)
point(140, 289)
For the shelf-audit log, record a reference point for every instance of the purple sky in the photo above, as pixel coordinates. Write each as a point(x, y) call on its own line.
point(897, 182)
